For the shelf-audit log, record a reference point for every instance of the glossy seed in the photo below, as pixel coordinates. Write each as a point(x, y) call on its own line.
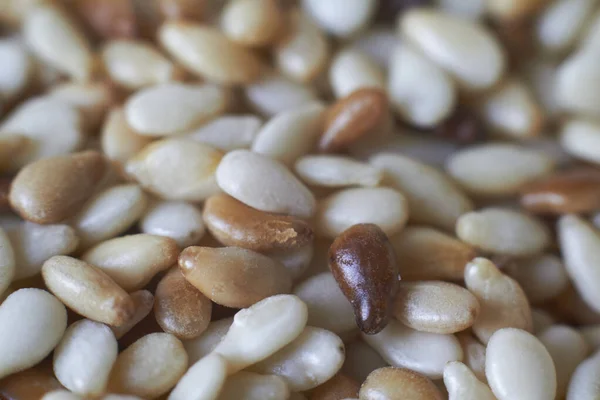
point(398, 383)
point(462, 384)
point(363, 263)
point(180, 308)
point(235, 224)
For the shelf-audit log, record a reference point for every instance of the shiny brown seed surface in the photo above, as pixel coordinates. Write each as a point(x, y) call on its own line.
point(52, 189)
point(352, 117)
point(108, 19)
point(338, 387)
point(573, 191)
point(232, 276)
point(179, 307)
point(235, 224)
point(87, 290)
point(391, 383)
point(363, 263)
point(463, 127)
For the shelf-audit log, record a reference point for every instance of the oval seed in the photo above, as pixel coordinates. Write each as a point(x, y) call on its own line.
point(462, 47)
point(341, 18)
point(177, 220)
point(143, 302)
point(232, 276)
point(290, 134)
point(280, 318)
point(33, 321)
point(519, 366)
point(503, 231)
point(428, 254)
point(352, 118)
point(474, 354)
point(573, 191)
point(574, 94)
point(560, 25)
point(203, 381)
point(208, 340)
point(250, 386)
point(252, 22)
point(310, 360)
point(437, 307)
point(503, 302)
point(327, 306)
point(50, 190)
point(580, 138)
point(241, 174)
point(17, 73)
point(104, 301)
point(579, 243)
point(542, 278)
point(84, 357)
point(398, 383)
point(109, 213)
point(433, 199)
point(336, 171)
point(135, 64)
point(463, 385)
point(584, 382)
point(31, 383)
point(274, 94)
point(133, 260)
point(208, 53)
point(352, 70)
point(33, 244)
point(118, 140)
point(229, 132)
point(180, 308)
point(235, 224)
point(568, 349)
point(387, 209)
point(364, 265)
point(149, 367)
point(7, 262)
point(176, 169)
point(338, 387)
point(170, 108)
point(423, 352)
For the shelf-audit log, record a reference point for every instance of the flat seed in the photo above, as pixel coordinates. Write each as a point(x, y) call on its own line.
point(463, 385)
point(229, 132)
point(433, 199)
point(518, 365)
point(253, 22)
point(328, 308)
point(474, 354)
point(398, 383)
point(580, 137)
point(31, 383)
point(177, 220)
point(503, 231)
point(437, 307)
point(291, 134)
point(336, 171)
point(7, 262)
point(235, 224)
point(33, 244)
point(208, 53)
point(497, 169)
point(109, 213)
point(423, 352)
point(568, 349)
point(464, 48)
point(171, 108)
point(428, 254)
point(133, 260)
point(560, 25)
point(584, 382)
point(338, 387)
point(542, 278)
point(241, 175)
point(352, 117)
point(364, 265)
point(136, 64)
point(387, 209)
point(361, 360)
point(420, 91)
point(203, 381)
point(84, 357)
point(17, 73)
point(576, 84)
point(180, 308)
point(119, 142)
point(352, 70)
point(49, 190)
point(109, 18)
point(573, 191)
point(579, 243)
point(203, 345)
point(143, 302)
point(34, 322)
point(52, 127)
point(274, 94)
point(503, 302)
point(341, 18)
point(250, 386)
point(176, 169)
point(54, 38)
point(279, 318)
point(232, 276)
point(304, 53)
point(149, 367)
point(105, 301)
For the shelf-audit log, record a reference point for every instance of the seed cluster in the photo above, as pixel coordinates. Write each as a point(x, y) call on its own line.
point(299, 200)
